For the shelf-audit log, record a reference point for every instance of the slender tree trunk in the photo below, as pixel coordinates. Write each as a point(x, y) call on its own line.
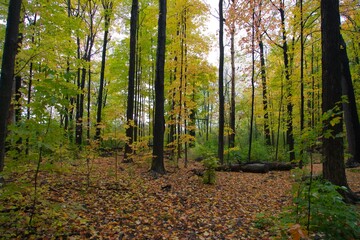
point(88, 106)
point(157, 164)
point(302, 99)
point(7, 73)
point(264, 86)
point(221, 85)
point(80, 109)
point(252, 83)
point(333, 147)
point(233, 73)
point(107, 8)
point(279, 119)
point(350, 111)
point(131, 86)
point(289, 131)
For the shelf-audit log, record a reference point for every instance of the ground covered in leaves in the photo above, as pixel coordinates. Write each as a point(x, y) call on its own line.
point(90, 200)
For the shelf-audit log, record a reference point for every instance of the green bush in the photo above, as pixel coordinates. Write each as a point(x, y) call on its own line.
point(330, 216)
point(210, 165)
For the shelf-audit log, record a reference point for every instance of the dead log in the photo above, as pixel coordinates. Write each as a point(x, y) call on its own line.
point(255, 168)
point(280, 166)
point(229, 168)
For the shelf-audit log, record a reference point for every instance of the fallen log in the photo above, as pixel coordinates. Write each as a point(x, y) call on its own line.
point(280, 166)
point(229, 168)
point(256, 167)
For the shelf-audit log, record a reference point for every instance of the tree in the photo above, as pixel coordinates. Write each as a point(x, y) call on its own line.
point(252, 82)
point(7, 70)
point(221, 85)
point(232, 30)
point(333, 147)
point(350, 113)
point(107, 5)
point(157, 164)
point(131, 86)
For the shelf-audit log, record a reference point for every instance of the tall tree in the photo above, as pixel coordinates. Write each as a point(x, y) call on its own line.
point(221, 85)
point(131, 83)
point(333, 147)
point(232, 30)
point(350, 111)
point(7, 70)
point(85, 55)
point(302, 98)
point(107, 6)
point(157, 164)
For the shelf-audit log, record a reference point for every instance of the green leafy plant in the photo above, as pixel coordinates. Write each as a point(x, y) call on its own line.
point(210, 165)
point(329, 217)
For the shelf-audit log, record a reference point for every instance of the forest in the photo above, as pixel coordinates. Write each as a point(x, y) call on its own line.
point(180, 119)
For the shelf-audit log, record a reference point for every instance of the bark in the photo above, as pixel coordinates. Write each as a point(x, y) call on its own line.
point(157, 164)
point(107, 7)
point(7, 73)
point(252, 84)
point(302, 99)
point(289, 131)
point(264, 92)
point(131, 84)
point(257, 167)
point(82, 74)
point(350, 111)
point(221, 85)
point(233, 73)
point(333, 163)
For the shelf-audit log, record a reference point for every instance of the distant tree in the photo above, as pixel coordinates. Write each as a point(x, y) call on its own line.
point(157, 164)
point(7, 70)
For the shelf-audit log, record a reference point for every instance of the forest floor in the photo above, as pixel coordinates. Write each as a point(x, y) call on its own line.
point(93, 201)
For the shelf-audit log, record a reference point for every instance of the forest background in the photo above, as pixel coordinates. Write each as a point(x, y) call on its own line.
point(86, 74)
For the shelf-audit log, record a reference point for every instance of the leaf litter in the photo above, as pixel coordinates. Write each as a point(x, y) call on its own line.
point(134, 204)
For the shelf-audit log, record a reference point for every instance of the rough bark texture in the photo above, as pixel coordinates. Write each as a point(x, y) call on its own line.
point(132, 63)
point(350, 111)
point(289, 122)
point(7, 70)
point(221, 85)
point(233, 73)
point(107, 8)
point(264, 86)
point(333, 163)
point(157, 164)
point(257, 167)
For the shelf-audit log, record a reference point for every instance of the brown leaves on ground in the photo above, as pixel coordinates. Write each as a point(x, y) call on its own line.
point(77, 205)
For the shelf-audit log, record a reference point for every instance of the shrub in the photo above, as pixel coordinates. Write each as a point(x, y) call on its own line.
point(330, 217)
point(210, 165)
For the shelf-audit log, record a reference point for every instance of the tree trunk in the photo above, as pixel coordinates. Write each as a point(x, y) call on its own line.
point(221, 85)
point(131, 84)
point(157, 164)
point(7, 73)
point(350, 111)
point(302, 100)
point(232, 101)
point(252, 83)
point(264, 86)
point(289, 131)
point(333, 147)
point(107, 7)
